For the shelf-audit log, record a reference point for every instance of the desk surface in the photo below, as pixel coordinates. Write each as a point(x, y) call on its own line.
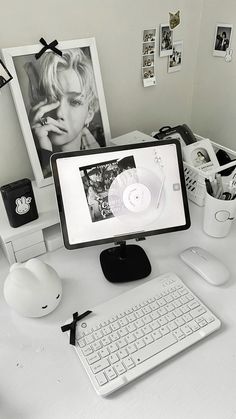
point(42, 378)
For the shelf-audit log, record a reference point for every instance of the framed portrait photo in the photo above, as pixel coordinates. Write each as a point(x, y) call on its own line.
point(5, 76)
point(222, 39)
point(176, 58)
point(59, 100)
point(201, 155)
point(166, 40)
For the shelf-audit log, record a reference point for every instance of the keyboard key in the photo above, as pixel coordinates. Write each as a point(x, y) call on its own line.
point(131, 327)
point(112, 347)
point(186, 330)
point(105, 340)
point(138, 334)
point(121, 343)
point(96, 345)
point(100, 365)
point(131, 348)
point(122, 353)
point(110, 373)
point(179, 334)
point(154, 348)
point(140, 343)
point(197, 311)
point(98, 334)
point(114, 336)
point(128, 363)
point(187, 317)
point(101, 379)
point(130, 338)
point(87, 350)
point(91, 359)
point(113, 358)
point(172, 325)
point(81, 343)
point(119, 367)
point(148, 339)
point(106, 330)
point(164, 330)
point(156, 335)
point(123, 332)
point(89, 339)
point(104, 352)
point(194, 326)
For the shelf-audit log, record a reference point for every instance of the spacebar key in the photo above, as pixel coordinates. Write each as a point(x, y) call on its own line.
point(154, 348)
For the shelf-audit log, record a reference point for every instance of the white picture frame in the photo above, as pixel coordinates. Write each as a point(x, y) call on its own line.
point(175, 60)
point(27, 92)
point(222, 39)
point(166, 40)
point(201, 155)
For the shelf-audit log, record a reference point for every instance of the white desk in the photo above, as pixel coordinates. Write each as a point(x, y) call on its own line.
point(42, 378)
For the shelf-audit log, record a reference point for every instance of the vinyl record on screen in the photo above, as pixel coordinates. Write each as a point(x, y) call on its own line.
point(136, 196)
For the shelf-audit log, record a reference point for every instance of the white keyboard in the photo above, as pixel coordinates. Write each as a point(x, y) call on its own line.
point(138, 330)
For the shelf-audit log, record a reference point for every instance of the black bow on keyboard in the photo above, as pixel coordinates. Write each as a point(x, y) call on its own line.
point(72, 326)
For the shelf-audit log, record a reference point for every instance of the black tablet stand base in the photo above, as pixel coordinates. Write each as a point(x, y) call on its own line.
point(125, 263)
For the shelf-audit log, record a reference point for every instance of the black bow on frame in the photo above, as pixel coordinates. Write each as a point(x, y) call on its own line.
point(51, 46)
point(72, 326)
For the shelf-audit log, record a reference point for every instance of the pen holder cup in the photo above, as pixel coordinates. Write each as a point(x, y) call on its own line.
point(218, 216)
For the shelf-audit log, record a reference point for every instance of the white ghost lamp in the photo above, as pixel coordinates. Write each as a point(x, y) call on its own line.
point(33, 288)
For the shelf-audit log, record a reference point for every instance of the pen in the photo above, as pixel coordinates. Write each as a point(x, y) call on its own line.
point(208, 187)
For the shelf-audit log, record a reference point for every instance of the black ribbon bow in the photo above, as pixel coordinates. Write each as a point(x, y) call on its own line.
point(51, 46)
point(72, 326)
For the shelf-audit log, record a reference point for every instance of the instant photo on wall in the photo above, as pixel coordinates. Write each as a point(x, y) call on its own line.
point(175, 60)
point(5, 76)
point(166, 40)
point(148, 57)
point(222, 39)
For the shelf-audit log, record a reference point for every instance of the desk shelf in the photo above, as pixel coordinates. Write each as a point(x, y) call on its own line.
point(31, 239)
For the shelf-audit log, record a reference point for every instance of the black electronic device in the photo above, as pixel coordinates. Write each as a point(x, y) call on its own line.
point(183, 131)
point(19, 201)
point(115, 194)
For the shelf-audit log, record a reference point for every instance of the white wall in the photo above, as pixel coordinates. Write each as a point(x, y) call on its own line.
point(117, 27)
point(214, 100)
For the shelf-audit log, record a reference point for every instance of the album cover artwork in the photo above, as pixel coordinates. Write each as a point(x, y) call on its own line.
point(97, 180)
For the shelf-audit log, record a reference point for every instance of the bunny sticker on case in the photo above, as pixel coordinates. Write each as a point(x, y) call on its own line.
point(23, 205)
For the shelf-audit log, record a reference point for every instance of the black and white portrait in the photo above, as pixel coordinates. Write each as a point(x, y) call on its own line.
point(5, 76)
point(65, 110)
point(222, 39)
point(166, 40)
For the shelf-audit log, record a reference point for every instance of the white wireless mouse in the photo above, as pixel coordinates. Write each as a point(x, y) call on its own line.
point(206, 265)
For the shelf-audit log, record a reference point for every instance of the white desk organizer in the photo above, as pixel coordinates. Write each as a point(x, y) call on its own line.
point(195, 178)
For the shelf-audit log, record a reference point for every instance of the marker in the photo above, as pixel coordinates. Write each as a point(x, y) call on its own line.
point(208, 187)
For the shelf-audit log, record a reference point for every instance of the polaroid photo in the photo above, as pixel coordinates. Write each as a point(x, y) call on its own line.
point(176, 58)
point(201, 155)
point(5, 76)
point(222, 40)
point(166, 40)
point(149, 35)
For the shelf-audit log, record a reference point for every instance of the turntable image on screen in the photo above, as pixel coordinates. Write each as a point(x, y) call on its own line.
point(117, 188)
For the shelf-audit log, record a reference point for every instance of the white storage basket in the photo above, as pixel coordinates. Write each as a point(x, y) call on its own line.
point(195, 178)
